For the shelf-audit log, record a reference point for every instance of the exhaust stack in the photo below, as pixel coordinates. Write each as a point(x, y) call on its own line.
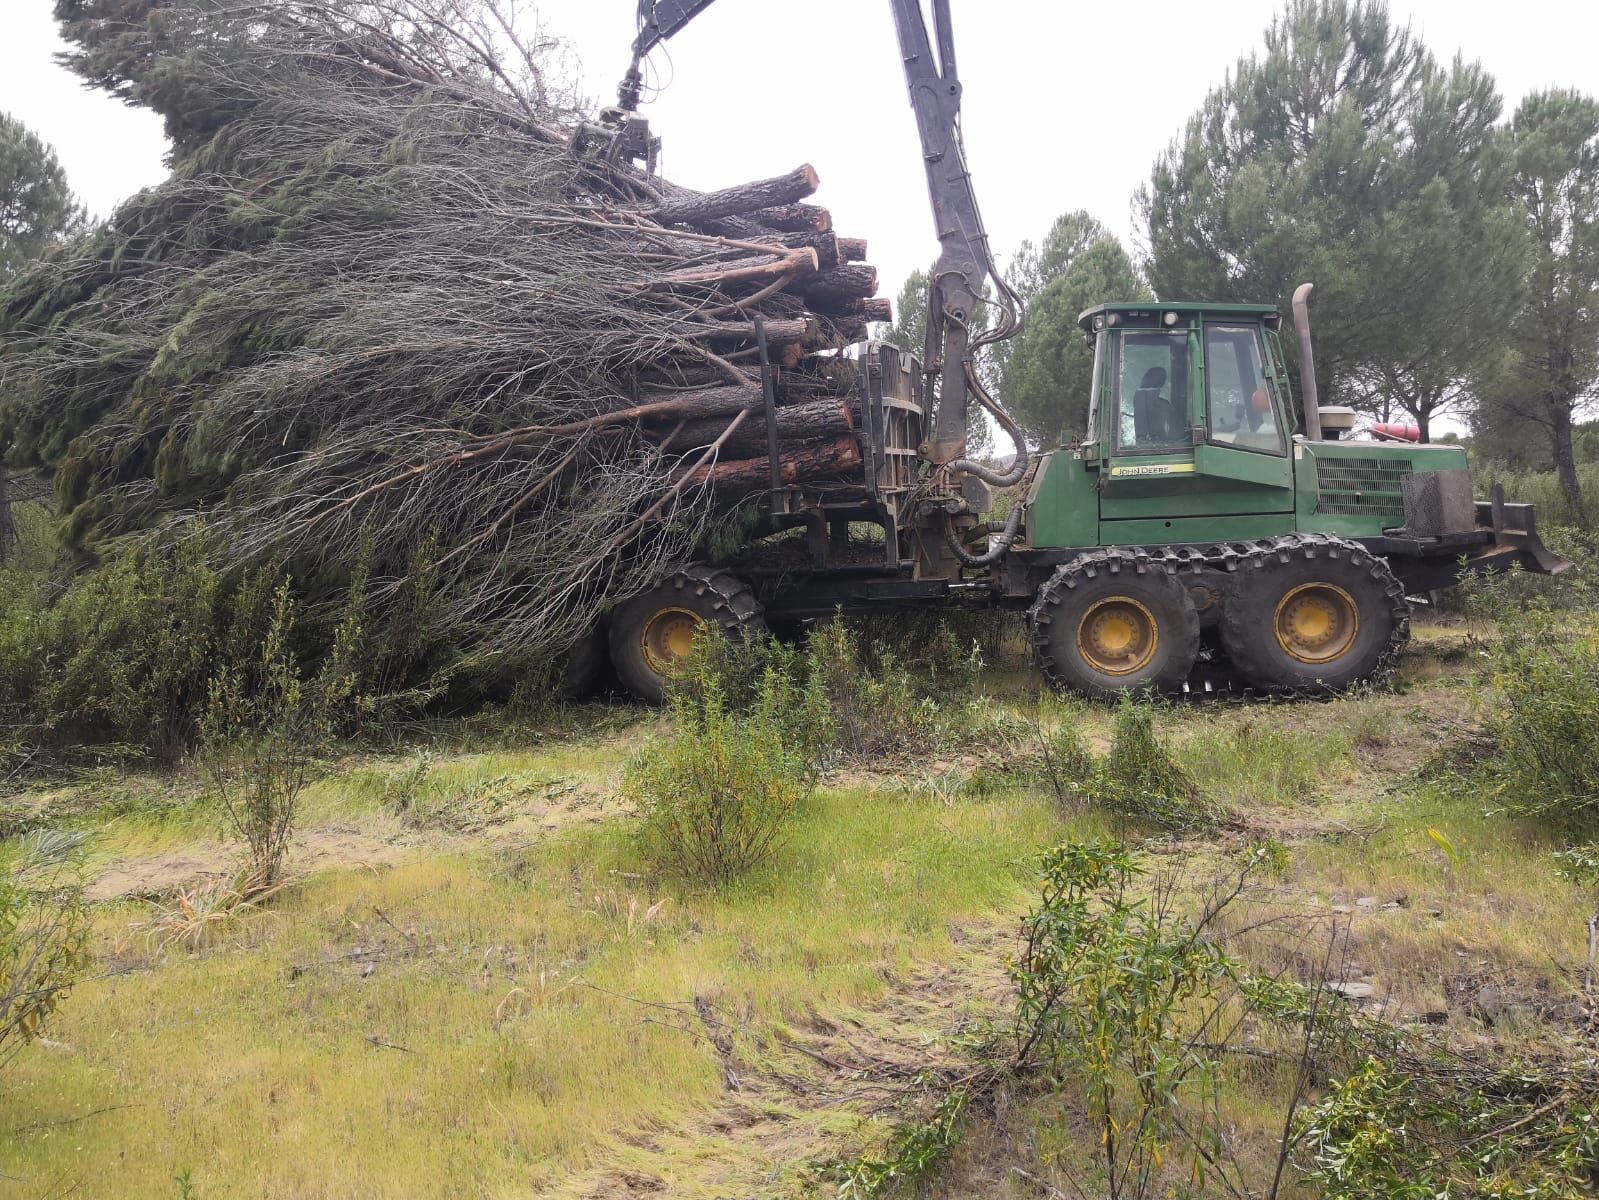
point(1307, 364)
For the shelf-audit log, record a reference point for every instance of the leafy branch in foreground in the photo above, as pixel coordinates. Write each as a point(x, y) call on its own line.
point(44, 922)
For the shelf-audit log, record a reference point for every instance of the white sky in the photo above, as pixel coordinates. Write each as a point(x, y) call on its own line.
point(1067, 104)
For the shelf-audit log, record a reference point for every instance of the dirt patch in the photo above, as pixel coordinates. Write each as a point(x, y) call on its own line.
point(318, 849)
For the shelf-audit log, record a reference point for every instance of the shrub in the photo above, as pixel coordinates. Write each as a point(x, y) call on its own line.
point(1111, 986)
point(120, 657)
point(1141, 778)
point(263, 726)
point(1544, 728)
point(43, 931)
point(878, 710)
point(716, 796)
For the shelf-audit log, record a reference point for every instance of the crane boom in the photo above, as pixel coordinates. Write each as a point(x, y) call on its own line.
point(964, 268)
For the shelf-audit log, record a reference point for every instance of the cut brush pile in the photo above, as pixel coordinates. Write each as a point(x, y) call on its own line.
point(383, 311)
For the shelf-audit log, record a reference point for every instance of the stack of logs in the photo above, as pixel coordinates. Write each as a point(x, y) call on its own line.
point(775, 262)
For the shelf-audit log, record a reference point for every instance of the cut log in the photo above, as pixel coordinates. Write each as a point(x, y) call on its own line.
point(778, 333)
point(835, 457)
point(874, 309)
point(826, 245)
point(763, 194)
point(835, 288)
point(796, 424)
point(706, 402)
point(794, 218)
point(851, 250)
point(877, 309)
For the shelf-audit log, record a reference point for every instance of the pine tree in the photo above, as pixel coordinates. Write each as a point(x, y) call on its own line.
point(1347, 155)
point(1554, 372)
point(1050, 373)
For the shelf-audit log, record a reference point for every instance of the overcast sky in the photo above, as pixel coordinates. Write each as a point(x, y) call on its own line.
point(1067, 104)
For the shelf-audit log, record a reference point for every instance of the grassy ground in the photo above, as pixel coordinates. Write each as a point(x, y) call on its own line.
point(473, 990)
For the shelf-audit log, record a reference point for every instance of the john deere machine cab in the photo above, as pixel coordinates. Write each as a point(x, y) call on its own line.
point(1197, 525)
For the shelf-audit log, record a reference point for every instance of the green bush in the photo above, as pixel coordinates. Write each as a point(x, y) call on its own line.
point(1142, 779)
point(44, 923)
point(879, 710)
point(1543, 729)
point(716, 796)
point(264, 724)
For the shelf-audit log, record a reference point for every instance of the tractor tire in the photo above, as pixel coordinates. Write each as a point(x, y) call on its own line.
point(652, 630)
point(1115, 621)
point(1313, 614)
point(582, 666)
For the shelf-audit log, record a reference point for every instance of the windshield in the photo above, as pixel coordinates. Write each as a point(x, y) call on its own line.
point(1242, 412)
point(1152, 393)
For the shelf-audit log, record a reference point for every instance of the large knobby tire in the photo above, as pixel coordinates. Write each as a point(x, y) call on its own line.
point(1115, 621)
point(1313, 614)
point(651, 631)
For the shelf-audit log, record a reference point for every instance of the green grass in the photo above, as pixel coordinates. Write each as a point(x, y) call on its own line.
point(472, 1015)
point(252, 1061)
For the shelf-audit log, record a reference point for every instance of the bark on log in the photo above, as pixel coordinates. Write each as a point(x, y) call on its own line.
point(707, 402)
point(796, 424)
point(833, 457)
point(826, 245)
point(877, 309)
point(852, 249)
point(836, 288)
point(794, 218)
point(874, 309)
point(778, 333)
point(745, 198)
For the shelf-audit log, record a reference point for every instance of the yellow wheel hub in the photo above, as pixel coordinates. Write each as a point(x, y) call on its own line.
point(1118, 636)
point(668, 636)
point(1317, 622)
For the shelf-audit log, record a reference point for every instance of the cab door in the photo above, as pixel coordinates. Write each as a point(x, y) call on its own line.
point(1162, 476)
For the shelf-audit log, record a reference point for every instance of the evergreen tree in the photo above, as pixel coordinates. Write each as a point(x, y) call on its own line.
point(36, 208)
point(1050, 373)
point(36, 205)
point(1034, 267)
point(1554, 372)
point(1346, 155)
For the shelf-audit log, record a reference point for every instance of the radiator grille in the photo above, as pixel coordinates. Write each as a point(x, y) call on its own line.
point(1362, 487)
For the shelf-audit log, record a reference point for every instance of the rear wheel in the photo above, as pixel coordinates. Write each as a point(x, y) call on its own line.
point(1311, 612)
point(652, 631)
point(1114, 621)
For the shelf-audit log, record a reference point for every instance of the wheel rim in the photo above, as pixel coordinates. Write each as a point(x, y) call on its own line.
point(1317, 622)
point(668, 636)
point(1118, 636)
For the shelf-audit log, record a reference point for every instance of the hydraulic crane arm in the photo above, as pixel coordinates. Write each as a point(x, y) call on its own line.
point(964, 269)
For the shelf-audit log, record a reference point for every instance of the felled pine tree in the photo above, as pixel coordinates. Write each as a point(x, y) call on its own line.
point(383, 311)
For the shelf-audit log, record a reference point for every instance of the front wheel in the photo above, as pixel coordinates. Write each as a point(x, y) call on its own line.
point(1314, 613)
point(1114, 621)
point(649, 633)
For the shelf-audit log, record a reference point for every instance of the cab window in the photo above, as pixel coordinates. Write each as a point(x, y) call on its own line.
point(1241, 407)
point(1152, 393)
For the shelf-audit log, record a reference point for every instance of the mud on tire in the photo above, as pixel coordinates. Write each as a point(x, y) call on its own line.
point(1115, 621)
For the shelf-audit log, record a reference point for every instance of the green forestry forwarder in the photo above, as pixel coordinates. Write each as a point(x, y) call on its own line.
point(1199, 538)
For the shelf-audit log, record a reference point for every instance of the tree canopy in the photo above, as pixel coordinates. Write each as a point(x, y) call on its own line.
point(1050, 372)
point(1345, 154)
point(1552, 372)
point(36, 205)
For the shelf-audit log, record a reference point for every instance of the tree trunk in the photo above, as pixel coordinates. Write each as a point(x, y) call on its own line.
point(796, 424)
point(745, 198)
point(1565, 457)
point(834, 289)
point(794, 218)
point(752, 474)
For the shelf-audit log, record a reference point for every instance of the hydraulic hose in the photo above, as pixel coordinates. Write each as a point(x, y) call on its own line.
point(994, 553)
point(1008, 327)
